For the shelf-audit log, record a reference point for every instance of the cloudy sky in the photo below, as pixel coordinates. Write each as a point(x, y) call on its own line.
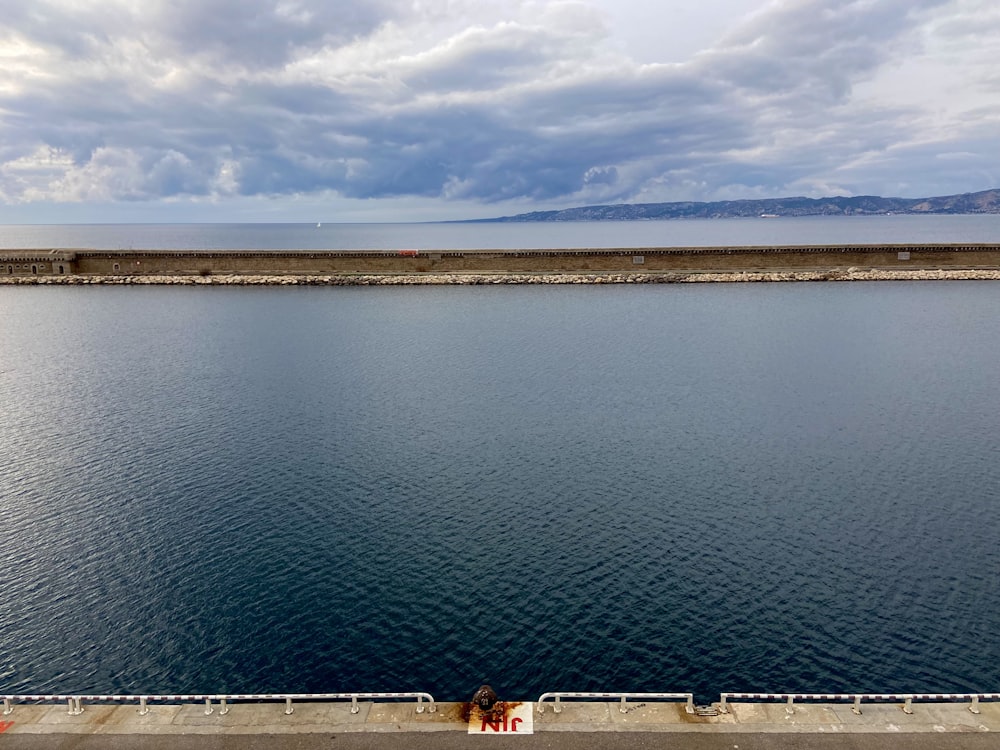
point(398, 110)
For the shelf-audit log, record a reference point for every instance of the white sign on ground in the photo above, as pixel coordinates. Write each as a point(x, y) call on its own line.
point(505, 718)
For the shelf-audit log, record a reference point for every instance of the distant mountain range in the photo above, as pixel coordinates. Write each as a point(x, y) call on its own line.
point(985, 202)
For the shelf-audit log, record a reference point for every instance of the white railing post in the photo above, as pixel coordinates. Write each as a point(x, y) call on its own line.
point(74, 703)
point(425, 701)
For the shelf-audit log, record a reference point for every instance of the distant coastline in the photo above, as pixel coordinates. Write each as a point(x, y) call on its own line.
point(983, 202)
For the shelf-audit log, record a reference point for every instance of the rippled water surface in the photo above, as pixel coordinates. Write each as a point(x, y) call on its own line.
point(707, 488)
point(810, 230)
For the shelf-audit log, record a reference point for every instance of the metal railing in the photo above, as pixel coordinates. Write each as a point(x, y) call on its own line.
point(688, 698)
point(857, 699)
point(75, 702)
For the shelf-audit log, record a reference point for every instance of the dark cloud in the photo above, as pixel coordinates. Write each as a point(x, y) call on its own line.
point(261, 33)
point(377, 99)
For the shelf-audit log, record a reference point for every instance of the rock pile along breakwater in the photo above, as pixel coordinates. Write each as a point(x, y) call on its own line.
point(506, 278)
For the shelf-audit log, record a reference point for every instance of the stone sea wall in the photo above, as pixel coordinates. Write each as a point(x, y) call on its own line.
point(849, 274)
point(520, 266)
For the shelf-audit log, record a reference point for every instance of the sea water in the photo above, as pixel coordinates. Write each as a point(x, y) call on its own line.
point(714, 487)
point(810, 230)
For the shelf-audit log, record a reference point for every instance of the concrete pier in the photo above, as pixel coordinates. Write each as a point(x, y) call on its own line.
point(580, 724)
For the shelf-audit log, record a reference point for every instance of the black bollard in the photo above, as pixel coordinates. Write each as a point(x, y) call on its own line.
point(485, 697)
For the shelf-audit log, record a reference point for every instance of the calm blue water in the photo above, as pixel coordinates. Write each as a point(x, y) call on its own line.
point(676, 233)
point(708, 488)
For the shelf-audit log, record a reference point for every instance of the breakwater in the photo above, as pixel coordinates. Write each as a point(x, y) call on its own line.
point(850, 274)
point(522, 266)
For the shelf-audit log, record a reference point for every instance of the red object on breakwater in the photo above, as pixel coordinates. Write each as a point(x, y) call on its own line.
point(409, 252)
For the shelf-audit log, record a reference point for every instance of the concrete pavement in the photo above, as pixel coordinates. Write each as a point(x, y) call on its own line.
point(581, 724)
point(547, 741)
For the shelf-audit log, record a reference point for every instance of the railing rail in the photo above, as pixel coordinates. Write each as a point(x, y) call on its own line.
point(75, 702)
point(857, 699)
point(688, 698)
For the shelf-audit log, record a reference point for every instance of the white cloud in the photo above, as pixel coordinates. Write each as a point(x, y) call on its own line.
point(473, 103)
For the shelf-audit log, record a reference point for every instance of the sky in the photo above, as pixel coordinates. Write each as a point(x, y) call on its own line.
point(427, 110)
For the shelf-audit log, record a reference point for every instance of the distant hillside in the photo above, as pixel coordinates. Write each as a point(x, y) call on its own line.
point(985, 202)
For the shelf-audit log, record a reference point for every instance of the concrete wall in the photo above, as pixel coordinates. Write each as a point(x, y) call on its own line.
point(35, 262)
point(619, 260)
